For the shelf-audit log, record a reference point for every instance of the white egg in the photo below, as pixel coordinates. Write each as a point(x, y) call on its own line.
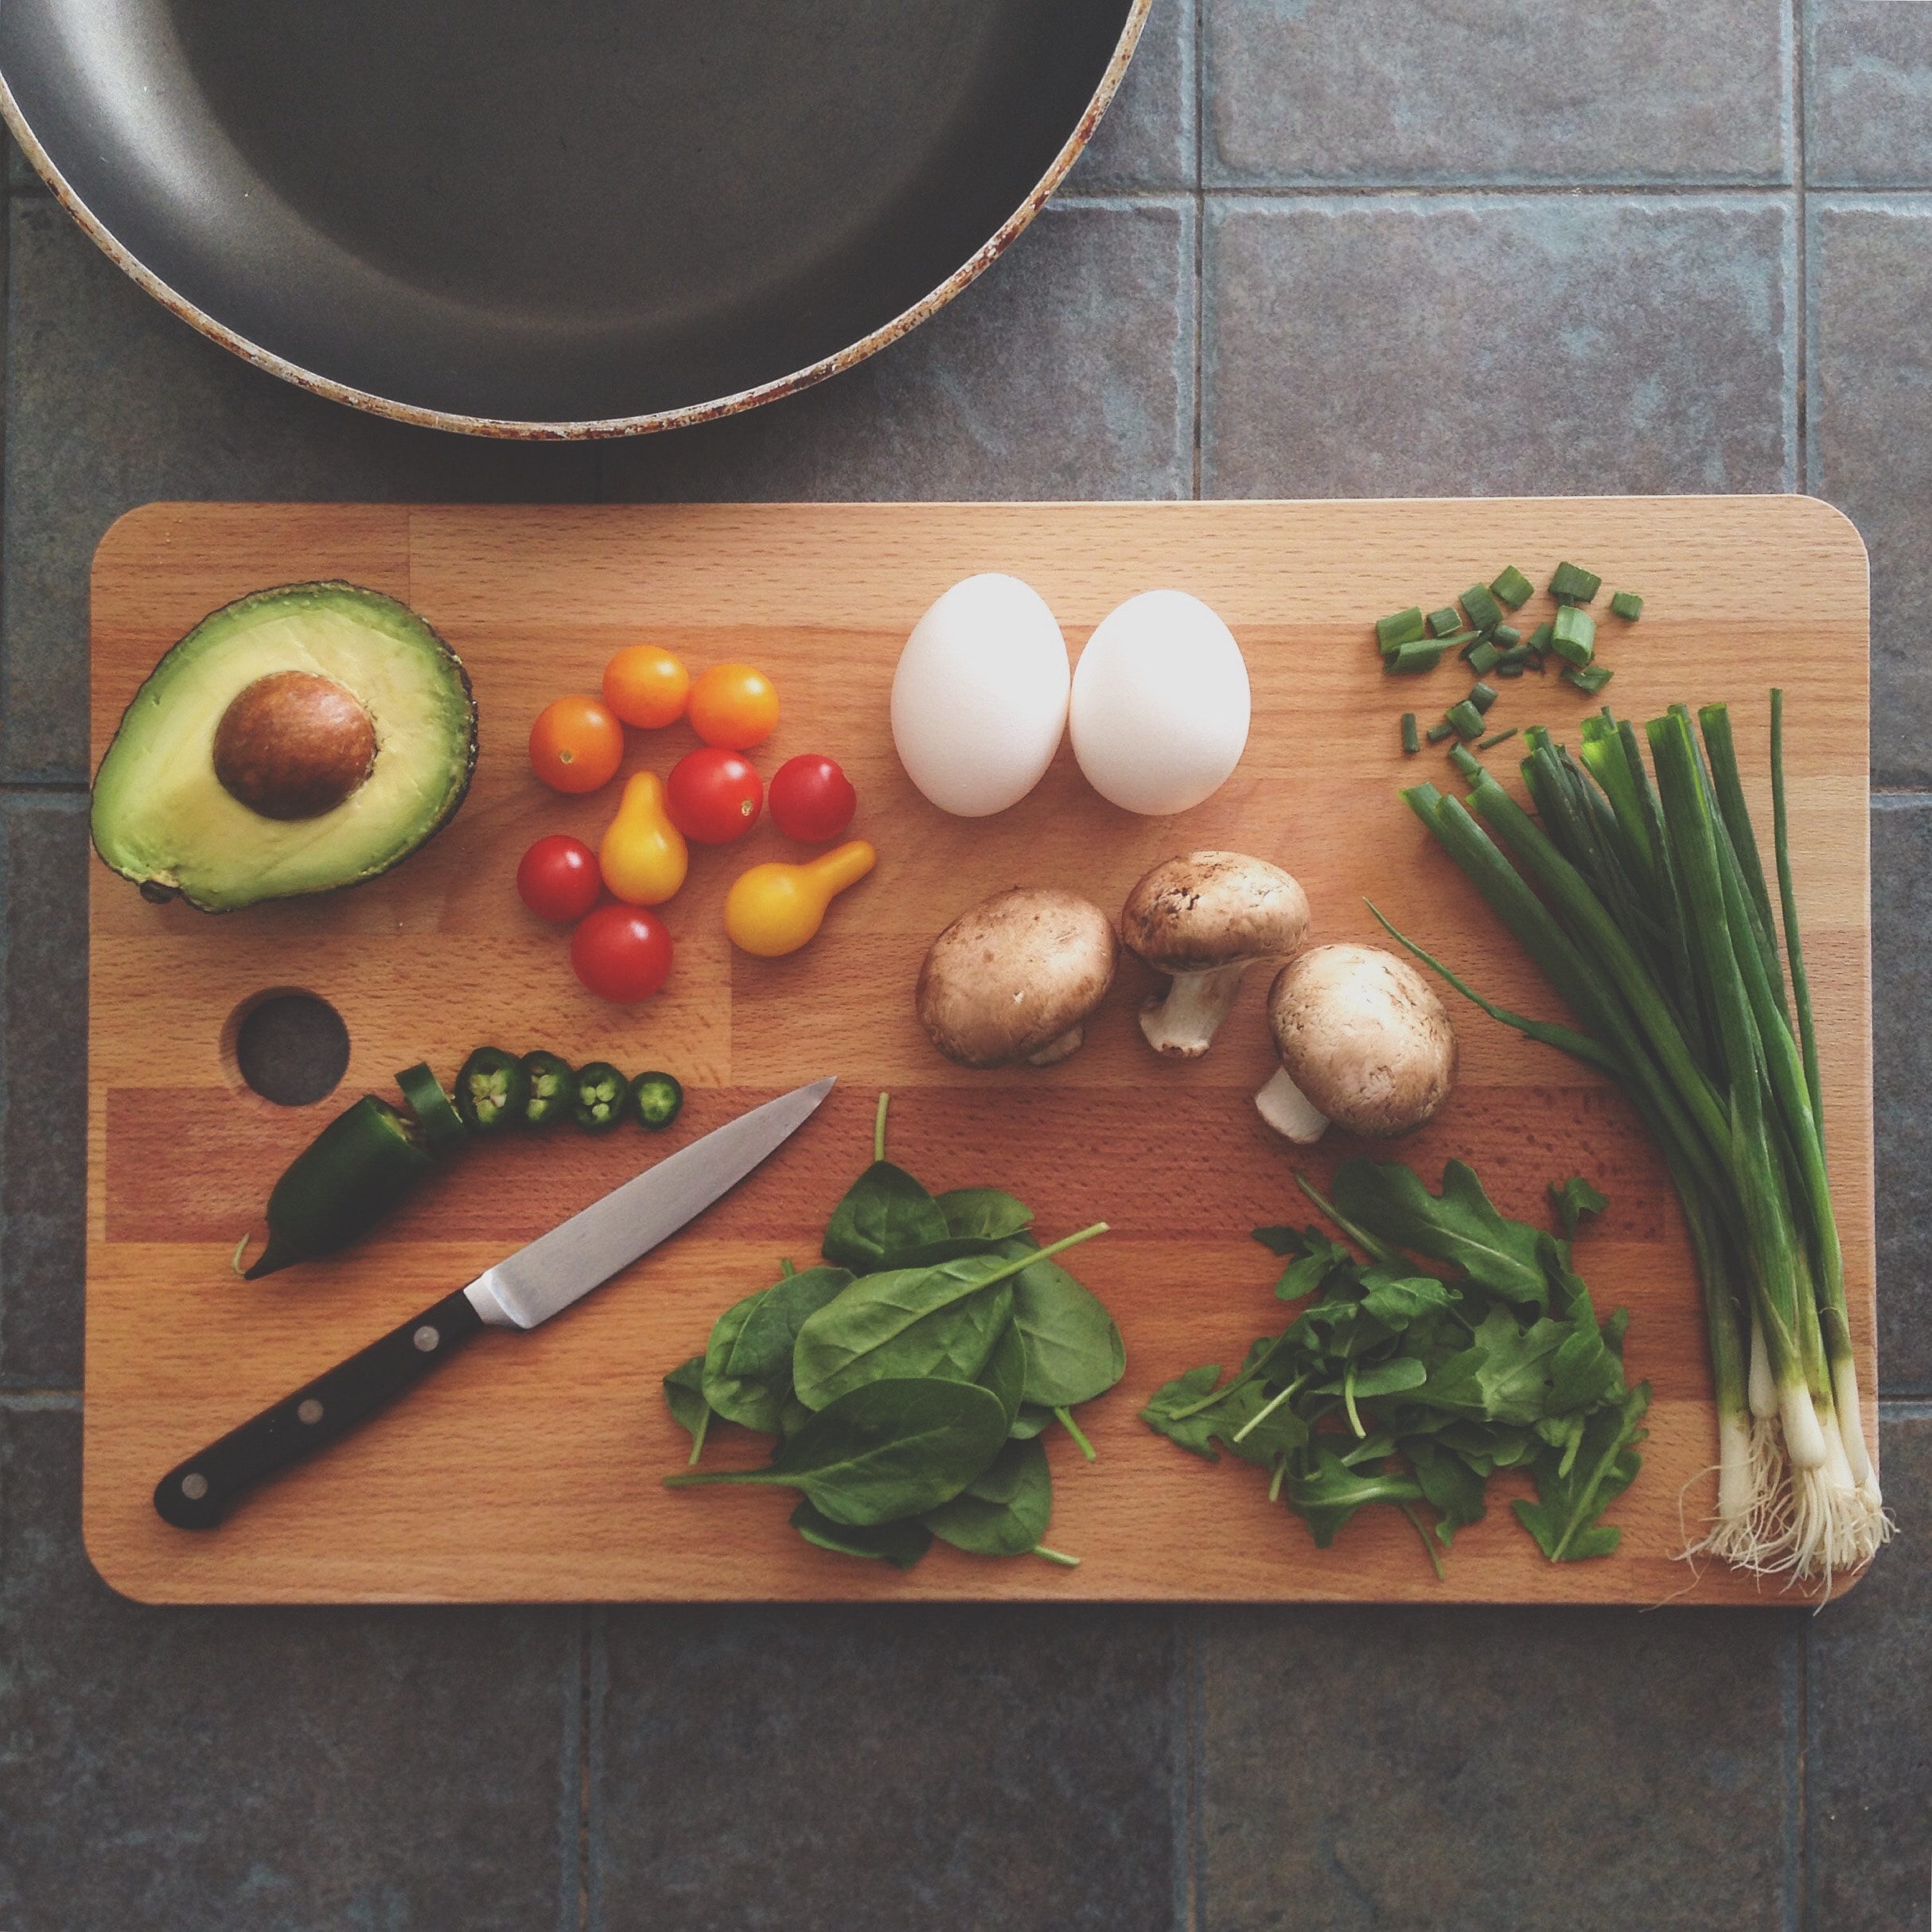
point(1160, 703)
point(980, 698)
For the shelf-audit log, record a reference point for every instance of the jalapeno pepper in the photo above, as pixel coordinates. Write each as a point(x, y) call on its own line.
point(657, 1100)
point(553, 1087)
point(442, 1127)
point(492, 1091)
point(603, 1096)
point(352, 1174)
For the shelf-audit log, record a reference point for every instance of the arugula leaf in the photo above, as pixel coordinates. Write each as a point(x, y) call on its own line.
point(685, 1396)
point(1564, 1519)
point(885, 1215)
point(1450, 1484)
point(884, 1451)
point(901, 1543)
point(1003, 1512)
point(1574, 1199)
point(1459, 1225)
point(1176, 1412)
point(1327, 1496)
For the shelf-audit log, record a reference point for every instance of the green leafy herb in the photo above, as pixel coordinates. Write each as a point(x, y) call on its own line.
point(1574, 1199)
point(901, 1544)
point(1002, 1512)
point(685, 1395)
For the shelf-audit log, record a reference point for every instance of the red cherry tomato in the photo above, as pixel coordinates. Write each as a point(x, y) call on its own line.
point(621, 953)
point(713, 795)
point(811, 799)
point(559, 878)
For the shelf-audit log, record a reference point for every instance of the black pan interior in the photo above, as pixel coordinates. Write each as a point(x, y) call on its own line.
point(554, 210)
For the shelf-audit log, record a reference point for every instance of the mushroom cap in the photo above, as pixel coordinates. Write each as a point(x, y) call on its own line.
point(1363, 1035)
point(1013, 973)
point(1208, 910)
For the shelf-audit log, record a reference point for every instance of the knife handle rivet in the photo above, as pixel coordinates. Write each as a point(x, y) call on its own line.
point(426, 1338)
point(194, 1487)
point(310, 1411)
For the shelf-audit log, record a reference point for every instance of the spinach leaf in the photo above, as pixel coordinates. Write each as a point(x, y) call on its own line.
point(1074, 1350)
point(1459, 1226)
point(1574, 1199)
point(885, 1215)
point(1005, 1372)
point(1003, 1512)
point(984, 1213)
point(748, 1362)
point(685, 1396)
point(1030, 1420)
point(909, 1322)
point(885, 1451)
point(902, 1545)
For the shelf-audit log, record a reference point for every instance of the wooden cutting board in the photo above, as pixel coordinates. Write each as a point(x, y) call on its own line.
point(530, 1468)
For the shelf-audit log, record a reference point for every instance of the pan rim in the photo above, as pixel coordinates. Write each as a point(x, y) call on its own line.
point(686, 415)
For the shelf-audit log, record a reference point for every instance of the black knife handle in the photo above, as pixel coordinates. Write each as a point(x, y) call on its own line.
point(195, 1494)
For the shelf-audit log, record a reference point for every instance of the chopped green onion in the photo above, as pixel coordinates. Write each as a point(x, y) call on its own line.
point(1572, 586)
point(1497, 738)
point(1538, 640)
point(1465, 761)
point(1465, 719)
point(1480, 608)
point(1626, 604)
point(1423, 654)
point(1442, 622)
point(1437, 732)
point(1512, 587)
point(1462, 642)
point(1516, 659)
point(1482, 696)
point(1404, 627)
point(1506, 668)
point(1587, 677)
point(1573, 636)
point(1410, 742)
point(1506, 637)
point(1484, 658)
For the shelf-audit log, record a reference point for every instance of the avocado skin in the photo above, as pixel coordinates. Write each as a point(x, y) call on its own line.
point(373, 610)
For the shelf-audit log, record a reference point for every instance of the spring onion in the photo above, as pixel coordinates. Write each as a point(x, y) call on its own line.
point(1497, 738)
point(1482, 696)
point(1590, 679)
point(1538, 640)
point(1653, 923)
point(1572, 584)
point(1512, 587)
point(1506, 637)
point(1403, 627)
point(1572, 635)
point(1437, 732)
point(1405, 659)
point(1484, 658)
point(1465, 719)
point(1410, 742)
point(1443, 621)
point(1628, 605)
point(1480, 608)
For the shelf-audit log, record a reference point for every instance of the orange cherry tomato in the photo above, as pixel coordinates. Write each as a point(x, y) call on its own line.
point(733, 706)
point(576, 745)
point(646, 687)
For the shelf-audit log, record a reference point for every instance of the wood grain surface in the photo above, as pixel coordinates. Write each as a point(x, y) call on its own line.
point(530, 1468)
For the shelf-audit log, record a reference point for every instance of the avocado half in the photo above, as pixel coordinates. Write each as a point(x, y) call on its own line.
point(163, 817)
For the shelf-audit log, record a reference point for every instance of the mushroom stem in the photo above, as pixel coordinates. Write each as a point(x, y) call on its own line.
point(1056, 1050)
point(1289, 1111)
point(1183, 1023)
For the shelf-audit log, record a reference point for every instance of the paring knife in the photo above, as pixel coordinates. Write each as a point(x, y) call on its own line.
point(536, 1283)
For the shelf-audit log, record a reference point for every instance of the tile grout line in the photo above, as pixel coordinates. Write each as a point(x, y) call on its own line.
point(1200, 201)
point(586, 1624)
point(1802, 319)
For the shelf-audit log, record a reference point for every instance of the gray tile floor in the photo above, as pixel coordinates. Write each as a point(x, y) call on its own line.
point(1321, 247)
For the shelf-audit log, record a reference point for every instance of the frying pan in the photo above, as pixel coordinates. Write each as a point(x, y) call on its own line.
point(557, 218)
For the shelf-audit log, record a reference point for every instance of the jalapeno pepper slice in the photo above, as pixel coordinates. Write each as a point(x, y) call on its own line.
point(553, 1087)
point(657, 1100)
point(601, 1095)
point(357, 1168)
point(443, 1127)
point(492, 1091)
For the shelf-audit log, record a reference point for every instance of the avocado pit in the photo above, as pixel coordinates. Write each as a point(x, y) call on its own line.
point(294, 744)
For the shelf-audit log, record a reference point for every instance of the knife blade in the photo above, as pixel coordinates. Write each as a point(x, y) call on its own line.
point(540, 1280)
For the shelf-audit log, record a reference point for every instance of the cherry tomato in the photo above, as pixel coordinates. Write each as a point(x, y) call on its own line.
point(621, 953)
point(811, 799)
point(576, 745)
point(646, 687)
point(559, 879)
point(713, 795)
point(734, 705)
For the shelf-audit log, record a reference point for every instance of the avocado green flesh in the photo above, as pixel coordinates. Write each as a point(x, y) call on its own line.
point(160, 815)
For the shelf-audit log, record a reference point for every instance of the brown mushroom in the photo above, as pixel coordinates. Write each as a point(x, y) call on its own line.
point(1013, 977)
point(1204, 919)
point(1363, 1041)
